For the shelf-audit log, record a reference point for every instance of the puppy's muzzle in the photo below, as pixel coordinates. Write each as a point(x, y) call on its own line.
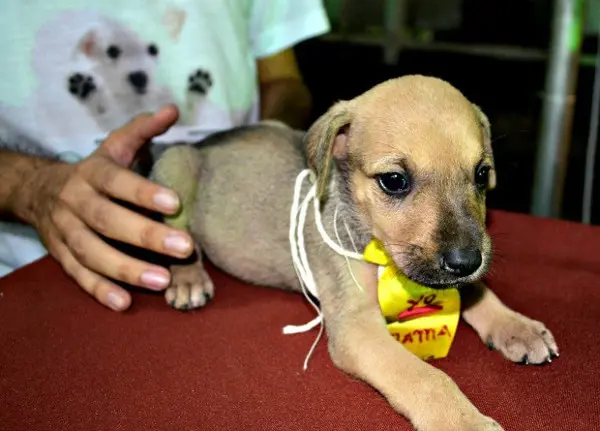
point(461, 262)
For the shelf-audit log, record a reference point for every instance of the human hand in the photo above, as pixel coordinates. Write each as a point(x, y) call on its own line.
point(69, 204)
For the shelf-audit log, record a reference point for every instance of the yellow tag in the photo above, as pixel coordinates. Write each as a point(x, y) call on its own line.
point(423, 319)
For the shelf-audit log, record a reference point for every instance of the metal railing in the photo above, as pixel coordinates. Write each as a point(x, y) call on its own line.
point(563, 58)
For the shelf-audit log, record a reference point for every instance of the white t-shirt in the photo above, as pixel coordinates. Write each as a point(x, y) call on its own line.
point(72, 70)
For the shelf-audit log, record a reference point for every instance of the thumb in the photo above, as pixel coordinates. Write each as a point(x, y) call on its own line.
point(122, 144)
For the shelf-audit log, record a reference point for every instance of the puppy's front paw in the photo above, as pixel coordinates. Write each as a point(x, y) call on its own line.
point(191, 287)
point(447, 408)
point(460, 421)
point(483, 423)
point(521, 339)
point(480, 423)
point(199, 82)
point(81, 86)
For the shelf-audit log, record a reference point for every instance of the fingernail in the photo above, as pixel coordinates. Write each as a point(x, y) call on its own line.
point(177, 243)
point(115, 301)
point(166, 200)
point(155, 280)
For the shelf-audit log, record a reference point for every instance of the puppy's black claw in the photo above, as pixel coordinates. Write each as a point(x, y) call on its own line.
point(490, 344)
point(183, 307)
point(207, 297)
point(525, 360)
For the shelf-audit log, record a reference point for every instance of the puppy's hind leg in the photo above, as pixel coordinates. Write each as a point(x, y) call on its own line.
point(179, 169)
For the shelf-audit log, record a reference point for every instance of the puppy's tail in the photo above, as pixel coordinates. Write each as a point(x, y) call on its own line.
point(178, 169)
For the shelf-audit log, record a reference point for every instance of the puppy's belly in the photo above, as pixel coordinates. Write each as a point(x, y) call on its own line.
point(242, 211)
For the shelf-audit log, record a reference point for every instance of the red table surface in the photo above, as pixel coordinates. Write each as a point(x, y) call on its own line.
point(67, 363)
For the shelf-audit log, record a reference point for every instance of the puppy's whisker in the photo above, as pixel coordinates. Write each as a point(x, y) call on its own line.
point(402, 253)
point(397, 244)
point(492, 271)
point(390, 146)
point(401, 242)
point(499, 137)
point(337, 235)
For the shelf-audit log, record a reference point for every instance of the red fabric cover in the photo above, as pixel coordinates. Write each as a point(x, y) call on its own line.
point(67, 363)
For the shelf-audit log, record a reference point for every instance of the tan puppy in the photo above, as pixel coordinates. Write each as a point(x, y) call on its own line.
point(408, 162)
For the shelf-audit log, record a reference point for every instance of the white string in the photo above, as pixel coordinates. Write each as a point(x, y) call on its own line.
point(298, 213)
point(339, 250)
point(306, 282)
point(337, 235)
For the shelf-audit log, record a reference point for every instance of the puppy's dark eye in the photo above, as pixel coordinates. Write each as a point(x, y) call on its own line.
point(113, 52)
point(394, 183)
point(153, 50)
point(482, 177)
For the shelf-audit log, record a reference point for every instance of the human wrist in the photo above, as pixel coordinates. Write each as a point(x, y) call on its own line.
point(30, 177)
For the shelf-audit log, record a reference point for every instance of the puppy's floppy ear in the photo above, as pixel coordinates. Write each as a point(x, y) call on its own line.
point(326, 139)
point(487, 142)
point(88, 44)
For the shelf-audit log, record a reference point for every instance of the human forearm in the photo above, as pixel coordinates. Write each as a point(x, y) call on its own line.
point(17, 184)
point(286, 100)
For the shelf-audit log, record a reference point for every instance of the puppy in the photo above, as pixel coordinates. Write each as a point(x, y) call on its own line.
point(91, 79)
point(408, 162)
point(119, 78)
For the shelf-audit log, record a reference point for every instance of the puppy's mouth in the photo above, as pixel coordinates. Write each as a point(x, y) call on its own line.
point(441, 281)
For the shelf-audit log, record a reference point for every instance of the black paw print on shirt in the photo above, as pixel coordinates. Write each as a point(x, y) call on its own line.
point(200, 82)
point(81, 86)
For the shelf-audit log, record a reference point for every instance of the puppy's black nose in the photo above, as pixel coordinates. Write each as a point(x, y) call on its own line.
point(138, 79)
point(461, 261)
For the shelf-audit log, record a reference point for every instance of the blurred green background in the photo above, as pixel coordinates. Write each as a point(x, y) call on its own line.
point(494, 51)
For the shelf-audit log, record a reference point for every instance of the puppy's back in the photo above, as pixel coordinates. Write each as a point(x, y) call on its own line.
point(236, 189)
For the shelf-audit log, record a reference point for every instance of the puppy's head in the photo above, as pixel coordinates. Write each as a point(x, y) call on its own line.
point(416, 161)
point(124, 61)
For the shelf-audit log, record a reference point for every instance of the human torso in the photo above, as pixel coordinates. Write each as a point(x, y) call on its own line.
point(73, 70)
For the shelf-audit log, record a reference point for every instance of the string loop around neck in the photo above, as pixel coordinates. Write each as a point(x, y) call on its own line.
point(298, 214)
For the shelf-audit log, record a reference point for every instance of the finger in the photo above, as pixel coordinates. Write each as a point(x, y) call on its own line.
point(122, 144)
point(117, 182)
point(121, 224)
point(99, 257)
point(105, 292)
